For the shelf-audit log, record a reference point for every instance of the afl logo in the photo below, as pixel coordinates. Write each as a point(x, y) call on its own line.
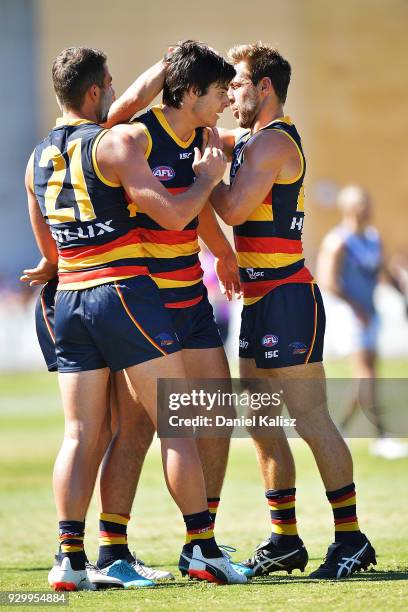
point(270, 340)
point(164, 173)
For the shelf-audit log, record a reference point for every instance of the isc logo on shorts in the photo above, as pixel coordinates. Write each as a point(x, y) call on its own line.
point(164, 173)
point(269, 340)
point(243, 343)
point(270, 354)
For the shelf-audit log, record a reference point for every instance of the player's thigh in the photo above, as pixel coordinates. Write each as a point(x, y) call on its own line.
point(304, 389)
point(129, 416)
point(257, 382)
point(143, 378)
point(85, 400)
point(206, 363)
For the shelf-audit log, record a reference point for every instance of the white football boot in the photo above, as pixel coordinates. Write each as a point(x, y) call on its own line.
point(63, 578)
point(218, 570)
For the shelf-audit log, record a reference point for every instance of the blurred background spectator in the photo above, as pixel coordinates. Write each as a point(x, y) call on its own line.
point(350, 262)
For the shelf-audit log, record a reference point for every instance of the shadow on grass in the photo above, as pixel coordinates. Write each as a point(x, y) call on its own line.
point(370, 576)
point(26, 569)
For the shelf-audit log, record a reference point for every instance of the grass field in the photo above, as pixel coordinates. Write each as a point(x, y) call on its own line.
point(31, 429)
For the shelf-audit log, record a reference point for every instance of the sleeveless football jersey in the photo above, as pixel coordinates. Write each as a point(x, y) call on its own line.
point(87, 214)
point(269, 243)
point(171, 256)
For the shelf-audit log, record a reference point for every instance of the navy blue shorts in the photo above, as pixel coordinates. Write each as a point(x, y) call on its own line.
point(195, 326)
point(44, 322)
point(284, 328)
point(115, 325)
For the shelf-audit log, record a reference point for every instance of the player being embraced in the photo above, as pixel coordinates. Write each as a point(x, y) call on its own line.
point(283, 318)
point(109, 315)
point(195, 92)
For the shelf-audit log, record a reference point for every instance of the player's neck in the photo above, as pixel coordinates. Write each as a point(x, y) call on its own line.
point(267, 113)
point(83, 113)
point(181, 122)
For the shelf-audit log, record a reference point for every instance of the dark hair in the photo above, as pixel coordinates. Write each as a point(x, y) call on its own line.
point(194, 65)
point(264, 61)
point(74, 71)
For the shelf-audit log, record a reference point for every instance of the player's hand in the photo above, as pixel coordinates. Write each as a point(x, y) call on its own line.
point(41, 274)
point(169, 52)
point(212, 163)
point(226, 269)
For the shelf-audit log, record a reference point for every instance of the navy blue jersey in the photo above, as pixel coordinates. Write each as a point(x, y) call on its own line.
point(88, 215)
point(269, 243)
point(171, 256)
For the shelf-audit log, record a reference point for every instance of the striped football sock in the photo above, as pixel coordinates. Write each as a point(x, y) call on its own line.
point(213, 503)
point(343, 503)
point(281, 504)
point(112, 538)
point(71, 541)
point(200, 530)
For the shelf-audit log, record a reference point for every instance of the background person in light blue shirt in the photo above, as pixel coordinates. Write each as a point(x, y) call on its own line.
point(350, 260)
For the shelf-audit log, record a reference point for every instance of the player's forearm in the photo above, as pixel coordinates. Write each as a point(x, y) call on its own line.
point(41, 231)
point(222, 203)
point(172, 212)
point(188, 205)
point(139, 95)
point(211, 233)
point(46, 243)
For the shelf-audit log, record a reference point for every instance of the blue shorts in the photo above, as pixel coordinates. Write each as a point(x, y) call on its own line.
point(195, 326)
point(285, 327)
point(115, 325)
point(44, 323)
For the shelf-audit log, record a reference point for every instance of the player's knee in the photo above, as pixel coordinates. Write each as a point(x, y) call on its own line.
point(105, 438)
point(84, 435)
point(136, 432)
point(306, 429)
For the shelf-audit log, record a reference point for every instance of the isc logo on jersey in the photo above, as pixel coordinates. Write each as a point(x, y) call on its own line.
point(164, 173)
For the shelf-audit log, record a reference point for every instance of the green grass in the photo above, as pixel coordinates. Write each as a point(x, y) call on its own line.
point(31, 430)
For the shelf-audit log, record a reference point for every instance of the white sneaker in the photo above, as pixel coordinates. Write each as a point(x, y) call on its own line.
point(389, 448)
point(149, 572)
point(217, 570)
point(100, 579)
point(63, 578)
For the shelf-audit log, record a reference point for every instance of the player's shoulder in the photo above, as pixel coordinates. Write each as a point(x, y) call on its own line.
point(29, 173)
point(123, 136)
point(269, 145)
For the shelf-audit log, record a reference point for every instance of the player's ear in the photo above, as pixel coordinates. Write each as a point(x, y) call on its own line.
point(265, 85)
point(192, 93)
point(94, 92)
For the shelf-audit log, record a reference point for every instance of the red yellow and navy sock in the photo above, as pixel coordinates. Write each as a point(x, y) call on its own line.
point(343, 503)
point(281, 503)
point(112, 538)
point(71, 541)
point(200, 530)
point(213, 503)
